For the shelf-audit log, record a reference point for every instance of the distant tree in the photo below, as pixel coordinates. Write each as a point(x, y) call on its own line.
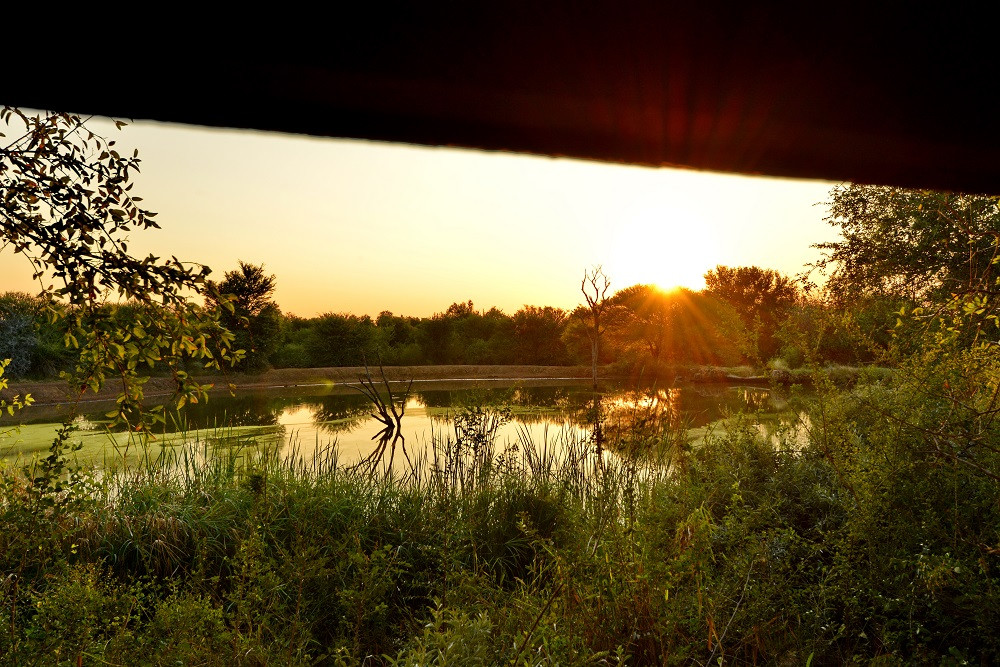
point(19, 314)
point(396, 330)
point(461, 335)
point(250, 286)
point(679, 326)
point(483, 338)
point(291, 353)
point(538, 336)
point(761, 297)
point(399, 339)
point(435, 339)
point(246, 307)
point(579, 348)
point(461, 309)
point(646, 317)
point(341, 339)
point(706, 330)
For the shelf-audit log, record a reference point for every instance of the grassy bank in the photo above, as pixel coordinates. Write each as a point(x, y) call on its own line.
point(855, 546)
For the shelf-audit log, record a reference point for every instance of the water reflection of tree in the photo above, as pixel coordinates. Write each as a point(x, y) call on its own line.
point(579, 408)
point(724, 400)
point(754, 399)
point(523, 401)
point(434, 398)
point(545, 397)
point(554, 397)
point(530, 405)
point(482, 397)
point(246, 410)
point(341, 414)
point(334, 414)
point(623, 411)
point(641, 422)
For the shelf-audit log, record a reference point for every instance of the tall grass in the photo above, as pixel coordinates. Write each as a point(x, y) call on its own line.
point(476, 551)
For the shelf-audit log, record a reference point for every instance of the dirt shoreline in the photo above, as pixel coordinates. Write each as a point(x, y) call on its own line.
point(57, 391)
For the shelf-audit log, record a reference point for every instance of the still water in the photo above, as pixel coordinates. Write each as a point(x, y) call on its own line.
point(307, 420)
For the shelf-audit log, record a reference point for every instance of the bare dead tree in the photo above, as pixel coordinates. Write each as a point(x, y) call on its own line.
point(595, 286)
point(389, 411)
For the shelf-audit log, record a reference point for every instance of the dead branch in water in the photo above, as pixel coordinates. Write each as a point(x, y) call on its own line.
point(386, 412)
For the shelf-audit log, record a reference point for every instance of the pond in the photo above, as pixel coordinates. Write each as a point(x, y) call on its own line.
point(308, 421)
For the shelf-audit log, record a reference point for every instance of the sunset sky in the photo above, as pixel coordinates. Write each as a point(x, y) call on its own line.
point(361, 227)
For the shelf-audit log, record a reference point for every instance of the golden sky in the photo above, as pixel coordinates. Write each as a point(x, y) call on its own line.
point(361, 227)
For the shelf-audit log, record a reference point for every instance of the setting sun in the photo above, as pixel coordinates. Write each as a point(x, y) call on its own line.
point(667, 253)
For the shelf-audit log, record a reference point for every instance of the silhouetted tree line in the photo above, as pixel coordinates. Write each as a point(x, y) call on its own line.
point(459, 335)
point(745, 315)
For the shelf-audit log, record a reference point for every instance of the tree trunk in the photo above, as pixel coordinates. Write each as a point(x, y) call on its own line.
point(594, 353)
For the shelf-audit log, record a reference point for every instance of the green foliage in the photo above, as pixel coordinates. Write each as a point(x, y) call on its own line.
point(761, 298)
point(18, 336)
point(16, 402)
point(917, 245)
point(340, 340)
point(451, 637)
point(293, 355)
point(461, 335)
point(676, 327)
point(79, 614)
point(30, 338)
point(538, 335)
point(18, 342)
point(398, 340)
point(186, 629)
point(69, 212)
point(864, 331)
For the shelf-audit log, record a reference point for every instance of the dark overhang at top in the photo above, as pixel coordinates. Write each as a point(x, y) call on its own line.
point(872, 95)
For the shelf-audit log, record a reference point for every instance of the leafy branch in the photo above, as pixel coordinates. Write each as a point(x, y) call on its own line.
point(66, 204)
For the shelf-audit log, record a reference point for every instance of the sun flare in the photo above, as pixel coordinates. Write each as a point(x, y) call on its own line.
point(667, 253)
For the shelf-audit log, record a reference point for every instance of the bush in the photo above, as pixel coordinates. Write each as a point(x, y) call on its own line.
point(291, 355)
point(186, 629)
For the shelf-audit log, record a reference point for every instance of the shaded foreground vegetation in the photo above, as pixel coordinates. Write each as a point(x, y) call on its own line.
point(878, 538)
